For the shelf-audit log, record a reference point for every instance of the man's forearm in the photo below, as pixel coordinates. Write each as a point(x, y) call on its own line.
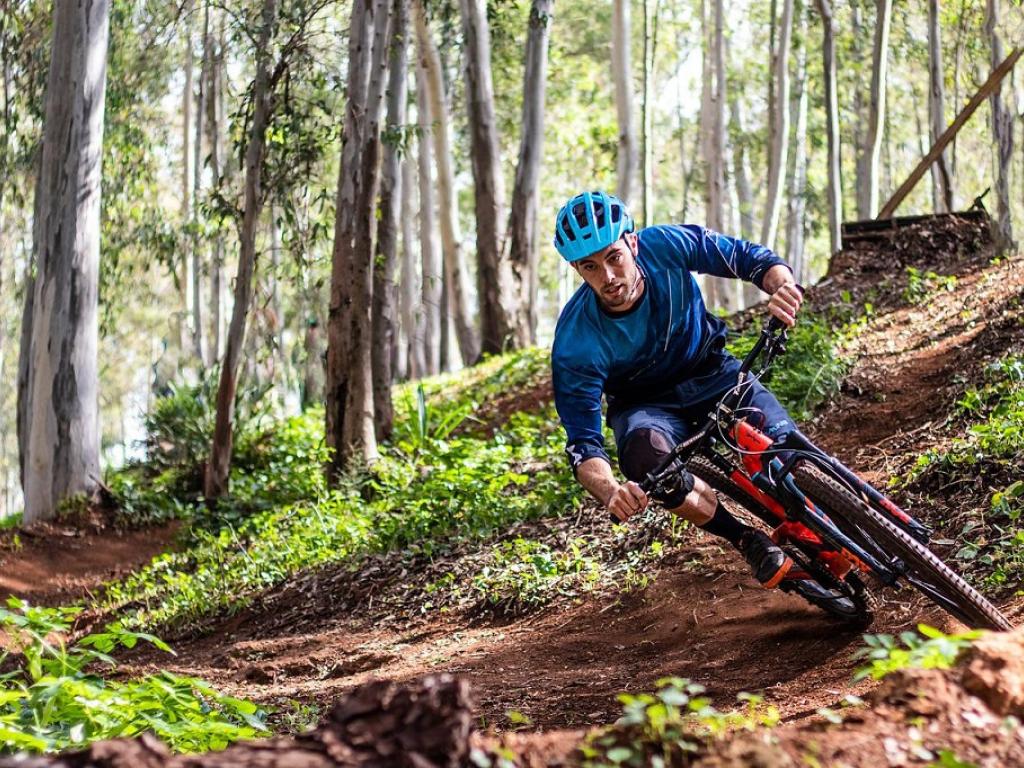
point(595, 474)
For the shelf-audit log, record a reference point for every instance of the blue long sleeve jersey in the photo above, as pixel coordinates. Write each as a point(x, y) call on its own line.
point(649, 349)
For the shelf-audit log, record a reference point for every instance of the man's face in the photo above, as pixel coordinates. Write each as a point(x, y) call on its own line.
point(613, 274)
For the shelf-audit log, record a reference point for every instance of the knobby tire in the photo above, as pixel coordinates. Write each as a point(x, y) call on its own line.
point(835, 499)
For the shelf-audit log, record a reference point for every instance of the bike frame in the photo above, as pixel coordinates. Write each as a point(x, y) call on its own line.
point(766, 476)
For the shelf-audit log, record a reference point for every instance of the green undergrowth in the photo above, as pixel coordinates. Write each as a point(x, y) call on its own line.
point(994, 435)
point(808, 375)
point(430, 484)
point(990, 448)
point(928, 648)
point(524, 574)
point(668, 727)
point(55, 696)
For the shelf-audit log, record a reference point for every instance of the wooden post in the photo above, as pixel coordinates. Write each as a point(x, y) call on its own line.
point(983, 93)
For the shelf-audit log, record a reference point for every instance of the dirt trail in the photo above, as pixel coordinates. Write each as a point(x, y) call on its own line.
point(54, 565)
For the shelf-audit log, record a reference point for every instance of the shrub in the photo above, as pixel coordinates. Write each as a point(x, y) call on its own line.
point(52, 697)
point(931, 649)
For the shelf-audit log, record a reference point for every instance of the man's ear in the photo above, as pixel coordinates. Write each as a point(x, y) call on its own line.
point(632, 240)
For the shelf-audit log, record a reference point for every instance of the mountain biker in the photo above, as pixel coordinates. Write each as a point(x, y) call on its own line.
point(638, 332)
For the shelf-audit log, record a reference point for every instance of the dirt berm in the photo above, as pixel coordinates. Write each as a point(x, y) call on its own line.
point(967, 715)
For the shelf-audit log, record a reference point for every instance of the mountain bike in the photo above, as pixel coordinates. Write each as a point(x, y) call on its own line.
point(840, 532)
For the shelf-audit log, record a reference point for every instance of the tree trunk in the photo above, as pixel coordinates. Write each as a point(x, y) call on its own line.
point(456, 276)
point(942, 187)
point(870, 152)
point(646, 112)
point(351, 430)
point(796, 204)
point(712, 122)
point(63, 456)
point(219, 466)
point(835, 185)
point(431, 268)
point(524, 250)
point(411, 287)
point(741, 171)
point(622, 76)
point(1002, 135)
point(496, 295)
point(216, 113)
point(384, 287)
point(779, 130)
point(185, 279)
point(198, 340)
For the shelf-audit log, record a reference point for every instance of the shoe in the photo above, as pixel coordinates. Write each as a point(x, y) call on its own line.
point(769, 563)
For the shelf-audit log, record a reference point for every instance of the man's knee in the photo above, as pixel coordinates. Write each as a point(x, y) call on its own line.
point(643, 450)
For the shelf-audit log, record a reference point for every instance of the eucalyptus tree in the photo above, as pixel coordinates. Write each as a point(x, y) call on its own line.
point(871, 149)
point(391, 190)
point(434, 113)
point(522, 237)
point(622, 76)
point(431, 266)
point(828, 65)
point(1002, 132)
point(778, 111)
point(287, 97)
point(350, 427)
point(215, 483)
point(942, 184)
point(497, 313)
point(796, 204)
point(61, 416)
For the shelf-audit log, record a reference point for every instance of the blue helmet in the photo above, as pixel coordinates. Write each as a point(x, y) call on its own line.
point(589, 222)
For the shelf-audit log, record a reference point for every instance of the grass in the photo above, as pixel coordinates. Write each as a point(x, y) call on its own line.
point(431, 484)
point(928, 648)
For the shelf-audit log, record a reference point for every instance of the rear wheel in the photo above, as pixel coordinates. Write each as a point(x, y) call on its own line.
point(921, 567)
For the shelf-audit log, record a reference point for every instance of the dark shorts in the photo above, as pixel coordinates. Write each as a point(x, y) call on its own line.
point(676, 414)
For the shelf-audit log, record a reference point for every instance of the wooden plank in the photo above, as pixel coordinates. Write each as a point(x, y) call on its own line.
point(879, 229)
point(940, 144)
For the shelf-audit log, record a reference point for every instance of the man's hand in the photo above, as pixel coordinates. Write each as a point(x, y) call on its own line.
point(786, 295)
point(628, 499)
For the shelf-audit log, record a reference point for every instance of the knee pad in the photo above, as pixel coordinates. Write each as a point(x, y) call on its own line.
point(642, 451)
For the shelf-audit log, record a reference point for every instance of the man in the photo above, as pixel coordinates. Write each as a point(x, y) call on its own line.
point(638, 332)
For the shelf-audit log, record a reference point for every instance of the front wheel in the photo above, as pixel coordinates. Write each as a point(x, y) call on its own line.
point(923, 568)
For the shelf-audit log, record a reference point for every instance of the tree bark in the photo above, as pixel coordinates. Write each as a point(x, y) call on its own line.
point(185, 279)
point(870, 152)
point(219, 466)
point(495, 293)
point(1002, 135)
point(835, 184)
point(456, 276)
point(741, 171)
point(431, 268)
point(63, 447)
point(524, 251)
point(198, 335)
point(216, 114)
point(351, 430)
point(622, 76)
point(942, 186)
point(779, 131)
point(384, 287)
point(796, 203)
point(411, 285)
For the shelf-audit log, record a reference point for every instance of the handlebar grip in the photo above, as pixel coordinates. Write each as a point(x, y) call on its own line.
point(614, 518)
point(774, 324)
